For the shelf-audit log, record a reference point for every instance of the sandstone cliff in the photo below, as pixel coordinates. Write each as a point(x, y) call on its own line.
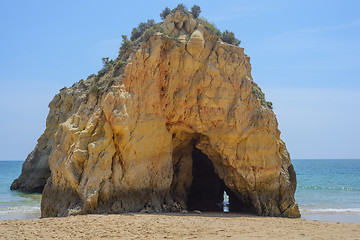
point(35, 169)
point(173, 123)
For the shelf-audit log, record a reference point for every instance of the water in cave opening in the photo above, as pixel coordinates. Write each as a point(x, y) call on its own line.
point(226, 208)
point(208, 191)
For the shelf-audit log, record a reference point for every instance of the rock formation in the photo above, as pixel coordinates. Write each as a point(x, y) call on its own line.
point(35, 169)
point(171, 124)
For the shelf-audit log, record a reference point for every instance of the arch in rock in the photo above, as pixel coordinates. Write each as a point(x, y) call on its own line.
point(196, 183)
point(132, 148)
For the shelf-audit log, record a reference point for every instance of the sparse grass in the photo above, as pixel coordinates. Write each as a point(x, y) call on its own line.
point(175, 39)
point(101, 72)
point(140, 30)
point(260, 95)
point(229, 37)
point(118, 65)
point(107, 62)
point(96, 78)
point(90, 76)
point(111, 82)
point(270, 104)
point(210, 26)
point(95, 89)
point(125, 45)
point(165, 13)
point(148, 33)
point(257, 91)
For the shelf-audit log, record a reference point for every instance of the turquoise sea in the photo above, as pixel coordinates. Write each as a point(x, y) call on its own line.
point(13, 204)
point(328, 190)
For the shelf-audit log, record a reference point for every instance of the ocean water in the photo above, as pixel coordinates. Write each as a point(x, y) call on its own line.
point(327, 190)
point(13, 204)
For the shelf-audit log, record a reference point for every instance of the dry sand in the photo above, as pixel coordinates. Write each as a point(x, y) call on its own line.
point(175, 226)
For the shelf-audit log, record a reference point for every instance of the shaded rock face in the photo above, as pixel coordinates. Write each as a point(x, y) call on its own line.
point(184, 123)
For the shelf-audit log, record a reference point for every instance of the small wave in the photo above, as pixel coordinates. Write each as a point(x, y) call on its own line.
point(13, 210)
point(332, 210)
point(329, 188)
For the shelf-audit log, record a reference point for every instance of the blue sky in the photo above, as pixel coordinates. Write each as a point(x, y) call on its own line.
point(305, 56)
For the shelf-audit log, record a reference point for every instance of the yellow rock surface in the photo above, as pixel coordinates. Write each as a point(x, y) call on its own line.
point(133, 147)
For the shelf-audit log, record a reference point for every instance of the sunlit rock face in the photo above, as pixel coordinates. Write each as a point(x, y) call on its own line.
point(35, 169)
point(182, 123)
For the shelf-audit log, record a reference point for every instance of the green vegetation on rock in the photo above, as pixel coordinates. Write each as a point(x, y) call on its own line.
point(164, 13)
point(107, 62)
point(95, 89)
point(125, 45)
point(210, 27)
point(180, 7)
point(229, 37)
point(142, 33)
point(195, 10)
point(142, 27)
point(256, 90)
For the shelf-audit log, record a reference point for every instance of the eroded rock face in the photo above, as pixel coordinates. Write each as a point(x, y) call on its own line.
point(134, 147)
point(35, 170)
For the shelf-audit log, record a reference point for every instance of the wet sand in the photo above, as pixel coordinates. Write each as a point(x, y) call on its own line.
point(332, 217)
point(14, 216)
point(176, 226)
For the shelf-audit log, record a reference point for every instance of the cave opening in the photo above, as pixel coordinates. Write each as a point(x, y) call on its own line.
point(208, 191)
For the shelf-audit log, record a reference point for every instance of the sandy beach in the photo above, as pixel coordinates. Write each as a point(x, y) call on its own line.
point(175, 226)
